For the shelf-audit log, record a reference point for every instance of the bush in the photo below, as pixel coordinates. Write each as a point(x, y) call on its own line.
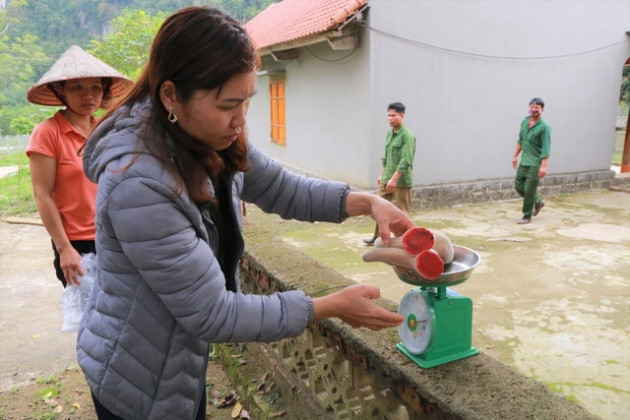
point(21, 125)
point(27, 115)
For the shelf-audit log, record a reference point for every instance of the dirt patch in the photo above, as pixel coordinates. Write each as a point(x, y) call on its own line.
point(65, 395)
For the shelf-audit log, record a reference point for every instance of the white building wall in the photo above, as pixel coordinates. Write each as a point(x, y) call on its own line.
point(469, 68)
point(466, 70)
point(327, 103)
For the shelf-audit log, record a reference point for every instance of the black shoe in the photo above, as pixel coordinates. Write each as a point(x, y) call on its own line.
point(524, 221)
point(538, 208)
point(369, 242)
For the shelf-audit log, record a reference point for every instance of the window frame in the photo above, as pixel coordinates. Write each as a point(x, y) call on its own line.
point(277, 105)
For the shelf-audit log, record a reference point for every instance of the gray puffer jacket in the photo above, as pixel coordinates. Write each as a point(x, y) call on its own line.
point(160, 295)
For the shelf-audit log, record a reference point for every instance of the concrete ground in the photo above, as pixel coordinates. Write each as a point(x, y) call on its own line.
point(550, 298)
point(31, 342)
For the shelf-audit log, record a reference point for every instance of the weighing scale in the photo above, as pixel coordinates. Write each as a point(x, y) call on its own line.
point(438, 321)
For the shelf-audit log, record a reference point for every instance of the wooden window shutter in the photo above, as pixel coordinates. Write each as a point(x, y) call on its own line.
point(278, 120)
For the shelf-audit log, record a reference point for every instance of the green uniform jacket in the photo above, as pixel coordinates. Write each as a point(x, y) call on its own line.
point(535, 141)
point(400, 149)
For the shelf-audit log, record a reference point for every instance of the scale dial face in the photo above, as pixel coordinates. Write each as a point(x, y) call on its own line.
point(415, 331)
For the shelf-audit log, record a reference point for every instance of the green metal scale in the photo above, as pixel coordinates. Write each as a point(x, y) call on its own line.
point(438, 321)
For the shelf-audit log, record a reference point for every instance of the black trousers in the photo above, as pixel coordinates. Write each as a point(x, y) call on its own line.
point(103, 413)
point(82, 247)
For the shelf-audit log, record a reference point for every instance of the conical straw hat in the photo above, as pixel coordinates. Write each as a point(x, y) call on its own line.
point(75, 64)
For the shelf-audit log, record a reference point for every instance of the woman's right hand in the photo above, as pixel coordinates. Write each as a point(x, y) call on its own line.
point(389, 218)
point(70, 262)
point(354, 306)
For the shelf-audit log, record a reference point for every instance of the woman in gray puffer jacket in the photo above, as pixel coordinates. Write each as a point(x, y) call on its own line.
point(172, 163)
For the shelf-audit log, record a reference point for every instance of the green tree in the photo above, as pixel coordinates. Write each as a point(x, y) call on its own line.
point(57, 23)
point(20, 59)
point(20, 56)
point(127, 46)
point(8, 15)
point(33, 113)
point(21, 125)
point(241, 10)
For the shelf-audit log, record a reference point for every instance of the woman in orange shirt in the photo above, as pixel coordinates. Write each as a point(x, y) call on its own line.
point(63, 194)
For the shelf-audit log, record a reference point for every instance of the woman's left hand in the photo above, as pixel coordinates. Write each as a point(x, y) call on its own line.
point(70, 262)
point(354, 305)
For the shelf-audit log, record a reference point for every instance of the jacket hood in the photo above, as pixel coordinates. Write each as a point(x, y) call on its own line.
point(115, 137)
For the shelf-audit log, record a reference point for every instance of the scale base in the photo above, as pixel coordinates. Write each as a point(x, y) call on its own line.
point(424, 363)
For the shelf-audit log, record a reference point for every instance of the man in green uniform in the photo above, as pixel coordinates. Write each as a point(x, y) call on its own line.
point(396, 180)
point(535, 142)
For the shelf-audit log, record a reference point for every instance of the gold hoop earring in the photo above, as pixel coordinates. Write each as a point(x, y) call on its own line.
point(172, 118)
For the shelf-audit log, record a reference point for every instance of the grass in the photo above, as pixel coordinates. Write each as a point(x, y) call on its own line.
point(54, 397)
point(15, 158)
point(16, 190)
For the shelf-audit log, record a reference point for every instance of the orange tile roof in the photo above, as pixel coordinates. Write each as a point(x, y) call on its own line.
point(290, 20)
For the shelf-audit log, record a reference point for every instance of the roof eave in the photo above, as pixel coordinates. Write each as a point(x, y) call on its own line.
point(345, 39)
point(342, 34)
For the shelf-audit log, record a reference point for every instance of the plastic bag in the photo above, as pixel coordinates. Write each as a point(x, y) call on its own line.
point(74, 298)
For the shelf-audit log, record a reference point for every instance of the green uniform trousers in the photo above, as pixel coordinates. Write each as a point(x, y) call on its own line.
point(401, 197)
point(525, 184)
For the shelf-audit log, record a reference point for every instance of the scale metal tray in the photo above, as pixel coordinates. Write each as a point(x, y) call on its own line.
point(458, 271)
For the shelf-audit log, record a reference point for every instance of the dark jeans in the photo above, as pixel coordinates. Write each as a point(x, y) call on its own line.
point(525, 184)
point(82, 247)
point(103, 413)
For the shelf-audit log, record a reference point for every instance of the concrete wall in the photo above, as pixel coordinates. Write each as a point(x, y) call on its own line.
point(466, 70)
point(471, 68)
point(327, 103)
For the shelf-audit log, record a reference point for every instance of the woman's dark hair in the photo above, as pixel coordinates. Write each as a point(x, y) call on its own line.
point(195, 48)
point(107, 83)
